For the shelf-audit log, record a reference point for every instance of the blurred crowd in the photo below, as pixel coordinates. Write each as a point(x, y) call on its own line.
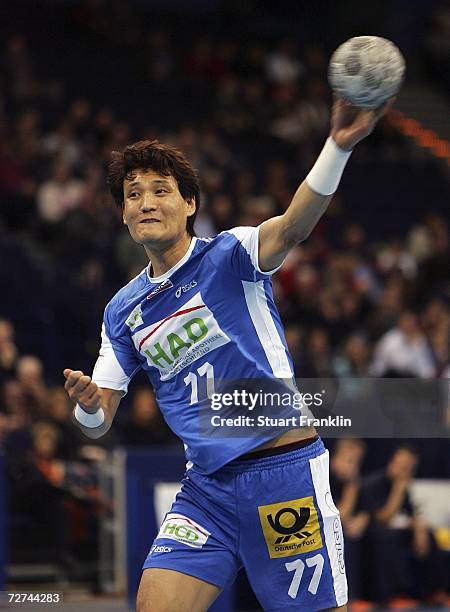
point(55, 501)
point(437, 46)
point(390, 551)
point(357, 298)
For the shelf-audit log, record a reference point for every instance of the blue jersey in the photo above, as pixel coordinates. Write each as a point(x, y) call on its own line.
point(211, 316)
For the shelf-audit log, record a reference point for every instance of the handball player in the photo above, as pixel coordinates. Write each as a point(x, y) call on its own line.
point(203, 309)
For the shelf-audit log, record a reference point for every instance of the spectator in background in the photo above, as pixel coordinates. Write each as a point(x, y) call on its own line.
point(228, 109)
point(438, 44)
point(419, 242)
point(60, 194)
point(8, 351)
point(30, 376)
point(283, 66)
point(62, 144)
point(294, 335)
point(45, 438)
point(441, 350)
point(255, 114)
point(305, 287)
point(434, 272)
point(28, 137)
point(317, 357)
point(330, 315)
point(102, 126)
point(301, 121)
point(14, 417)
point(144, 424)
point(396, 257)
point(388, 308)
point(354, 358)
point(36, 492)
point(404, 351)
point(80, 118)
point(397, 536)
point(277, 183)
point(345, 469)
point(59, 414)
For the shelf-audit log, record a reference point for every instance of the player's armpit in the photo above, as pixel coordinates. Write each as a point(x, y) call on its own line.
point(277, 236)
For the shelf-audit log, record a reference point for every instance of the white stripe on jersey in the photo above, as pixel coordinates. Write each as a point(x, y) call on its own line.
point(332, 527)
point(255, 297)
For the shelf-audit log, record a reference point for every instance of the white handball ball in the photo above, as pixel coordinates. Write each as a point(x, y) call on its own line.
point(366, 71)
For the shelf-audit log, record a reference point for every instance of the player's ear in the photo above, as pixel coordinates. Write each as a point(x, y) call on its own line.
point(191, 206)
point(123, 217)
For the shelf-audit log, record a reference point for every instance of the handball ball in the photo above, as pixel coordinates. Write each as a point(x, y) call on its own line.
point(366, 71)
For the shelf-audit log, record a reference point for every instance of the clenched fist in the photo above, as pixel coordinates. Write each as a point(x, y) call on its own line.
point(82, 390)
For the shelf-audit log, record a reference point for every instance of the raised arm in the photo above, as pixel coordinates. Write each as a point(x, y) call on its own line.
point(349, 125)
point(95, 407)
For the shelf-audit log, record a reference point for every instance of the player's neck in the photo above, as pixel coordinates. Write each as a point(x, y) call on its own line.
point(163, 258)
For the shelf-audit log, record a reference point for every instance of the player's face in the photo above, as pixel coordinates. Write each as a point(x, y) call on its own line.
point(154, 209)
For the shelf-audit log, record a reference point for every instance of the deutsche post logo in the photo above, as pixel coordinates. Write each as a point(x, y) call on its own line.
point(290, 527)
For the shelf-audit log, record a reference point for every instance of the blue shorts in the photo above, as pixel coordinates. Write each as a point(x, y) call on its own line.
point(275, 516)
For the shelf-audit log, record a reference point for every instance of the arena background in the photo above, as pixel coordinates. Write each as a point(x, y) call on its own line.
point(241, 88)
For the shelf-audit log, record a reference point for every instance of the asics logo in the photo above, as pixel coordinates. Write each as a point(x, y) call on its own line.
point(185, 288)
point(160, 549)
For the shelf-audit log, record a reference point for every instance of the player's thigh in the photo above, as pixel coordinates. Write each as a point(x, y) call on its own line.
point(163, 590)
point(291, 535)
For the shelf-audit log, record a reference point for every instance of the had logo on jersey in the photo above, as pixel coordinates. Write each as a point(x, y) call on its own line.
point(290, 527)
point(183, 529)
point(180, 338)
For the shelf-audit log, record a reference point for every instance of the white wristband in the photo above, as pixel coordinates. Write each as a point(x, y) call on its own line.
point(89, 419)
point(326, 173)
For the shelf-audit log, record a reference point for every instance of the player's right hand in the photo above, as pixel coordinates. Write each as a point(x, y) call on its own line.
point(82, 390)
point(350, 124)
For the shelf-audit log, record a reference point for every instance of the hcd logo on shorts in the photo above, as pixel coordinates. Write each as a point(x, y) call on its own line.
point(290, 527)
point(182, 529)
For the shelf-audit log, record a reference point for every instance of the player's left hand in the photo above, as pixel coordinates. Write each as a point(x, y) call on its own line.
point(350, 124)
